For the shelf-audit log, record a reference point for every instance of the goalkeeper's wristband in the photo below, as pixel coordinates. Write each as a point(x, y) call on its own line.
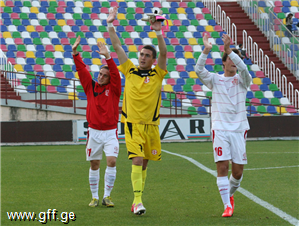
point(110, 24)
point(158, 32)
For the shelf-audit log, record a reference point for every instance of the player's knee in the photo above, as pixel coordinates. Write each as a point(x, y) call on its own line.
point(111, 162)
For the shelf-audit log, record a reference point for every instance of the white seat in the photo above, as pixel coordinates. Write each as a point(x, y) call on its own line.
point(264, 16)
point(98, 34)
point(41, 16)
point(203, 22)
point(35, 4)
point(53, 34)
point(147, 41)
point(21, 61)
point(205, 89)
point(269, 3)
point(294, 9)
point(135, 61)
point(131, 5)
point(50, 74)
point(25, 34)
point(165, 5)
point(68, 61)
point(58, 54)
point(197, 10)
point(181, 61)
point(182, 16)
point(12, 28)
point(287, 113)
point(69, 88)
point(34, 22)
point(103, 16)
point(46, 41)
point(20, 89)
point(284, 101)
point(197, 48)
point(164, 82)
point(134, 34)
point(174, 74)
point(188, 34)
point(141, 23)
point(97, 22)
point(66, 28)
point(285, 40)
point(79, 4)
point(192, 28)
point(78, 10)
point(212, 41)
point(200, 95)
point(186, 103)
point(91, 41)
point(255, 67)
point(25, 9)
point(9, 41)
point(31, 48)
point(47, 67)
point(268, 94)
point(68, 16)
point(216, 55)
point(94, 68)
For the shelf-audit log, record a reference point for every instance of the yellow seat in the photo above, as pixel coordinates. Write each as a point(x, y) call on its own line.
point(34, 10)
point(18, 67)
point(72, 96)
point(284, 21)
point(30, 54)
point(192, 74)
point(76, 75)
point(132, 48)
point(280, 33)
point(45, 81)
point(61, 22)
point(152, 34)
point(181, 11)
point(96, 61)
point(192, 41)
point(294, 3)
point(2, 4)
point(257, 81)
point(267, 114)
point(59, 48)
point(6, 34)
point(188, 55)
point(169, 23)
point(121, 16)
point(209, 28)
point(30, 28)
point(101, 40)
point(88, 4)
point(261, 9)
point(276, 48)
point(168, 88)
point(282, 109)
point(120, 0)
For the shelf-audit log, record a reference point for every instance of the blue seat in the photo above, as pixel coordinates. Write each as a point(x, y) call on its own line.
point(62, 34)
point(75, 29)
point(191, 16)
point(120, 28)
point(132, 23)
point(44, 4)
point(261, 4)
point(190, 61)
point(10, 54)
point(52, 23)
point(21, 28)
point(67, 55)
point(252, 74)
point(212, 22)
point(39, 55)
point(79, 22)
point(28, 67)
point(177, 88)
point(108, 41)
point(85, 16)
point(104, 23)
point(48, 28)
point(286, 4)
point(96, 5)
point(5, 16)
point(122, 10)
point(69, 75)
point(147, 10)
point(93, 28)
point(202, 110)
point(177, 103)
point(264, 87)
point(278, 94)
point(163, 96)
point(69, 10)
point(123, 5)
point(206, 102)
point(200, 5)
point(271, 109)
point(179, 55)
point(31, 89)
point(209, 67)
point(147, 29)
point(249, 95)
point(174, 28)
point(183, 41)
point(219, 41)
point(137, 41)
point(59, 61)
point(32, 16)
point(18, 3)
point(26, 22)
point(43, 9)
point(265, 101)
point(189, 10)
point(82, 96)
point(12, 48)
point(197, 34)
point(95, 48)
point(138, 16)
point(178, 48)
point(61, 89)
point(218, 61)
point(167, 42)
point(185, 23)
point(200, 28)
point(174, 5)
point(87, 61)
point(221, 33)
point(148, 5)
point(184, 74)
point(16, 9)
point(70, 4)
point(191, 95)
point(2, 41)
point(30, 61)
point(7, 22)
point(35, 81)
point(266, 81)
point(55, 41)
point(170, 34)
point(180, 81)
point(116, 61)
point(123, 82)
point(95, 55)
point(74, 68)
point(173, 11)
point(143, 34)
point(95, 10)
point(294, 47)
point(89, 35)
point(198, 82)
point(125, 48)
point(57, 68)
point(83, 41)
point(189, 67)
point(67, 48)
point(251, 110)
point(65, 82)
point(34, 34)
point(247, 61)
point(59, 16)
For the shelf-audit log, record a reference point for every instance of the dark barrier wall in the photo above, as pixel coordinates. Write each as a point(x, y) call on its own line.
point(36, 131)
point(51, 131)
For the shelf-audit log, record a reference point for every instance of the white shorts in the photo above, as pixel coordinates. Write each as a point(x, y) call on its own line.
point(230, 146)
point(99, 140)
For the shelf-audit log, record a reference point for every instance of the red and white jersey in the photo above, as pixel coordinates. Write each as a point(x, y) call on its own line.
point(102, 101)
point(229, 95)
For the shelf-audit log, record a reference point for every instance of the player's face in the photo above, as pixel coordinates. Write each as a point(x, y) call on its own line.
point(104, 76)
point(146, 59)
point(229, 67)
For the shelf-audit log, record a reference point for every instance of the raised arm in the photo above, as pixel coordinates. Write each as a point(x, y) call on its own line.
point(157, 26)
point(122, 57)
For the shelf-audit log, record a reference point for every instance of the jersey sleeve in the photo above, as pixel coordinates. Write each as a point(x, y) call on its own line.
point(245, 77)
point(84, 75)
point(160, 71)
point(125, 67)
point(203, 74)
point(114, 76)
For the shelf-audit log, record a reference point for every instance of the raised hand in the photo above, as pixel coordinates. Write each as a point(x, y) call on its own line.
point(76, 44)
point(156, 26)
point(112, 14)
point(226, 40)
point(207, 44)
point(103, 50)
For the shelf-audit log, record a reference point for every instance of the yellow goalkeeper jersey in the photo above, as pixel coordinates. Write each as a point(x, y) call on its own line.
point(142, 94)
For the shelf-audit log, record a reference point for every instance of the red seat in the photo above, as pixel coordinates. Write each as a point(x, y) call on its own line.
point(278, 3)
point(50, 48)
point(170, 55)
point(86, 48)
point(60, 74)
point(254, 87)
point(210, 61)
point(174, 41)
point(180, 68)
point(21, 54)
point(129, 41)
point(106, 35)
point(39, 28)
point(260, 74)
point(38, 68)
point(84, 28)
point(196, 103)
point(188, 49)
point(61, 4)
point(12, 61)
point(129, 28)
point(183, 5)
point(50, 16)
point(177, 23)
point(113, 55)
point(181, 95)
point(140, 48)
point(199, 16)
point(65, 41)
point(157, 4)
point(94, 16)
point(9, 4)
point(49, 61)
point(197, 88)
point(60, 10)
point(70, 22)
point(139, 10)
point(206, 32)
point(291, 109)
point(205, 10)
point(112, 4)
point(104, 10)
point(218, 28)
point(51, 89)
point(71, 35)
point(115, 23)
point(19, 41)
point(171, 81)
point(14, 16)
point(277, 10)
point(255, 101)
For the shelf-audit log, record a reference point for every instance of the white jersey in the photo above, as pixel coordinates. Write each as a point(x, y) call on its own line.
point(229, 95)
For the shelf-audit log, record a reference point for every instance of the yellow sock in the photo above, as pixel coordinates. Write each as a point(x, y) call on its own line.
point(144, 173)
point(136, 178)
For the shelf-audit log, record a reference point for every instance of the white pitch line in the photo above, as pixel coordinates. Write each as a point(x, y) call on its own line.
point(246, 193)
point(278, 167)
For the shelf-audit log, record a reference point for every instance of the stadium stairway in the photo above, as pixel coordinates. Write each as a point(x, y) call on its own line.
point(6, 89)
point(243, 22)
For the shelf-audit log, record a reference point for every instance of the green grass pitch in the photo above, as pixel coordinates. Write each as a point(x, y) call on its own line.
point(177, 192)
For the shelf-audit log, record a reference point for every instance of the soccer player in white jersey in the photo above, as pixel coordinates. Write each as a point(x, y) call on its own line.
point(229, 119)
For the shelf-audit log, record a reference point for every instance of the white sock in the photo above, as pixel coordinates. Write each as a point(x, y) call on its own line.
point(94, 177)
point(234, 184)
point(110, 175)
point(223, 186)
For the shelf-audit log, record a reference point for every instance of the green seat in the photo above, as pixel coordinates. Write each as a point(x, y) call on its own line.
point(170, 96)
point(215, 34)
point(30, 75)
point(24, 16)
point(79, 89)
point(21, 48)
point(138, 29)
point(53, 4)
point(281, 15)
point(218, 68)
point(170, 67)
point(247, 102)
point(183, 28)
point(294, 40)
point(125, 34)
point(40, 61)
point(194, 22)
point(215, 48)
point(86, 55)
point(57, 28)
point(130, 10)
point(140, 4)
point(121, 41)
point(16, 22)
point(49, 54)
point(196, 55)
point(132, 55)
point(209, 94)
point(191, 5)
point(43, 22)
point(106, 4)
point(179, 34)
point(155, 41)
point(261, 109)
point(173, 16)
point(82, 35)
point(41, 89)
point(88, 23)
point(27, 3)
point(172, 61)
point(166, 103)
point(55, 82)
point(267, 9)
point(123, 23)
point(52, 10)
point(273, 87)
point(208, 16)
point(170, 48)
point(192, 111)
point(165, 10)
point(77, 16)
point(200, 41)
point(187, 88)
point(43, 34)
point(37, 41)
point(16, 34)
point(190, 81)
point(66, 68)
point(86, 10)
point(121, 97)
point(102, 29)
point(259, 94)
point(130, 16)
point(275, 101)
point(25, 82)
point(7, 9)
point(111, 49)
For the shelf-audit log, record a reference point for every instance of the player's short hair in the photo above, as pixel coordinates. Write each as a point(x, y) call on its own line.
point(224, 57)
point(151, 49)
point(105, 67)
